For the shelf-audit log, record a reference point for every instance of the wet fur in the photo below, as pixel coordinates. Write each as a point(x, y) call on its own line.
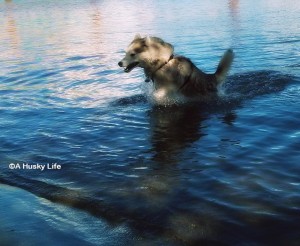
point(173, 74)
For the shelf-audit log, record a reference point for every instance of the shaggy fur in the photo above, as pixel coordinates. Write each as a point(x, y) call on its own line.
point(173, 74)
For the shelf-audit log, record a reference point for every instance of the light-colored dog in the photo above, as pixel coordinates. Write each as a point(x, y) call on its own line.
point(173, 74)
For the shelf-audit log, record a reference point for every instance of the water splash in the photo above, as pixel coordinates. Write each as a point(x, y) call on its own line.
point(237, 88)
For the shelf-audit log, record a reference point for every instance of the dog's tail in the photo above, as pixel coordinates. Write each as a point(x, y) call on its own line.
point(224, 65)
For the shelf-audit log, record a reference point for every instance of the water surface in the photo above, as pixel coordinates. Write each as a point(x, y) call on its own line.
point(223, 172)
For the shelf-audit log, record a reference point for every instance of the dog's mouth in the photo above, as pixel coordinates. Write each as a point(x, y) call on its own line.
point(130, 67)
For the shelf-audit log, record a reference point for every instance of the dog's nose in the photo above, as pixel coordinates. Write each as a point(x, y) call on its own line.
point(120, 64)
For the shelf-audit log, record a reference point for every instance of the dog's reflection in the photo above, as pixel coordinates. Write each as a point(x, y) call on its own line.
point(175, 128)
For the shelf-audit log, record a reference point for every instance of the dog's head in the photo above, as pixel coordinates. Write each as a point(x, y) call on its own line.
point(146, 53)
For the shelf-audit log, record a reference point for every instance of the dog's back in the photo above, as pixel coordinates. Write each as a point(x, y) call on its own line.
point(180, 75)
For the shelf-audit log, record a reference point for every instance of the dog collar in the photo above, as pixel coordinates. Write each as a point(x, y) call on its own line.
point(160, 67)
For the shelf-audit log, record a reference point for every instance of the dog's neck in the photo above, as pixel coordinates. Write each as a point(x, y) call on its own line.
point(158, 64)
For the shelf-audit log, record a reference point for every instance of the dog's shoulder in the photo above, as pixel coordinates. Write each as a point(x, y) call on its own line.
point(183, 62)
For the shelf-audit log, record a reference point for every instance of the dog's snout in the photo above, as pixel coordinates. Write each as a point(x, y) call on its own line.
point(120, 64)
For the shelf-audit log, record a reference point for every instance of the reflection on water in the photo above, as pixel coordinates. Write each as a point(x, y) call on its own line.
point(211, 173)
point(173, 129)
point(176, 127)
point(11, 32)
point(234, 7)
point(235, 21)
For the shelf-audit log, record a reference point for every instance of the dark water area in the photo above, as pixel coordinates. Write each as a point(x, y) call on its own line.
point(221, 172)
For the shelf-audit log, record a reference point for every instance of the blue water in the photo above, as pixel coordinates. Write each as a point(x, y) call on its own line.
point(224, 172)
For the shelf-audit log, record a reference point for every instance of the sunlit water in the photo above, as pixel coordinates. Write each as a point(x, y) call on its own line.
point(223, 172)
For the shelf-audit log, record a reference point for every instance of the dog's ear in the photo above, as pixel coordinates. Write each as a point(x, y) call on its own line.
point(137, 36)
point(147, 40)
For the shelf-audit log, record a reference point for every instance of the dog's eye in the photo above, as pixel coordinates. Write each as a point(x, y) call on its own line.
point(132, 55)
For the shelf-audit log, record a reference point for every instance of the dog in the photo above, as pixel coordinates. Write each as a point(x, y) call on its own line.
point(171, 74)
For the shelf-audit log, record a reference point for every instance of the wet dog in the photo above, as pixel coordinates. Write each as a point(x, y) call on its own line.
point(170, 74)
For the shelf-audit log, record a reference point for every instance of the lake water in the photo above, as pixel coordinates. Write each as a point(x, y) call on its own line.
point(132, 173)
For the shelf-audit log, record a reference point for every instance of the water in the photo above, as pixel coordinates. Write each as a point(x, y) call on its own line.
point(132, 173)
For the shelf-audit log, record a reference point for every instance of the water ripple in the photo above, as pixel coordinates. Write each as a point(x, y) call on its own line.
point(205, 173)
